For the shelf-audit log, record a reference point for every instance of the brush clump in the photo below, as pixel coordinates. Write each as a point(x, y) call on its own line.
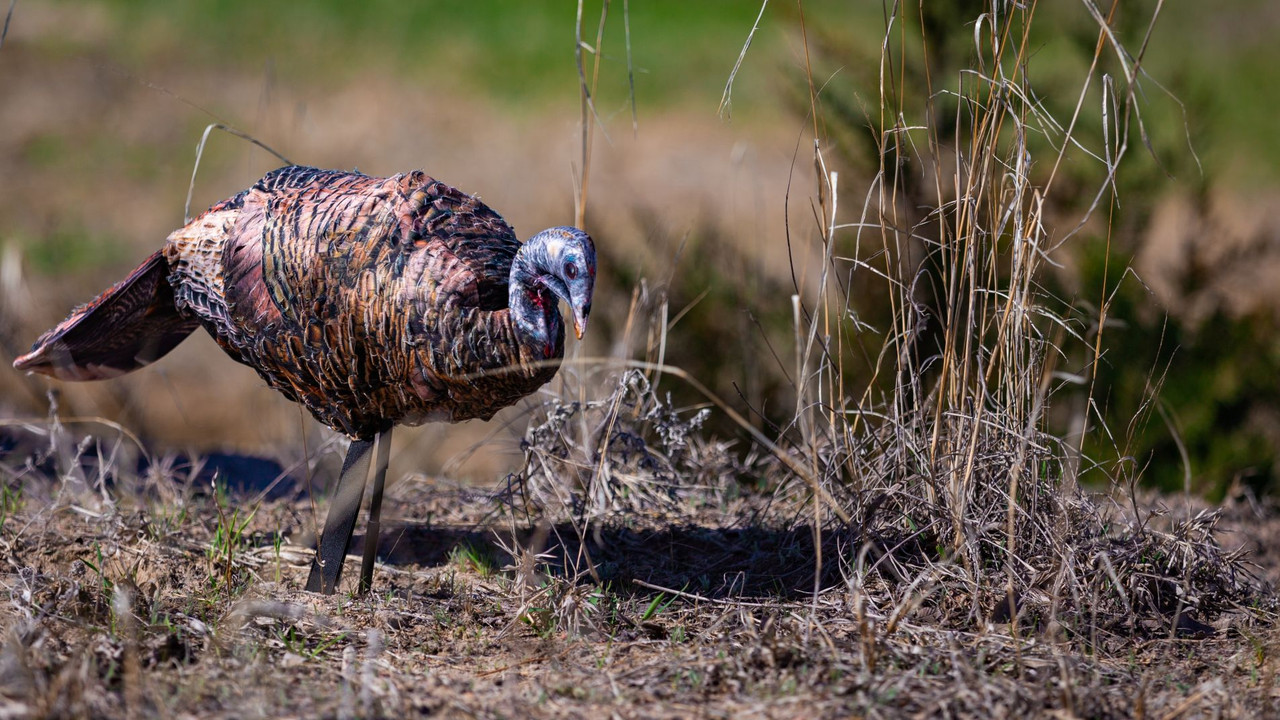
point(628, 453)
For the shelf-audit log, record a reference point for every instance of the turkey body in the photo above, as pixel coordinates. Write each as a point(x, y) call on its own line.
point(371, 301)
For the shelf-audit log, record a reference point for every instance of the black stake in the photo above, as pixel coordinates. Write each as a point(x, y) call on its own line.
point(374, 529)
point(326, 569)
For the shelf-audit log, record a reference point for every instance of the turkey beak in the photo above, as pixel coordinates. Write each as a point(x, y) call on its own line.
point(579, 321)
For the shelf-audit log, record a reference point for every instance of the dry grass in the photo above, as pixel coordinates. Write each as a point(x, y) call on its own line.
point(150, 596)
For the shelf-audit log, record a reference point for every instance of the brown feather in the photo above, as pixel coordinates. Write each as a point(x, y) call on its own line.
point(128, 326)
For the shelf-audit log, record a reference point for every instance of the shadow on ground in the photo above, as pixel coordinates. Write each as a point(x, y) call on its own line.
point(711, 562)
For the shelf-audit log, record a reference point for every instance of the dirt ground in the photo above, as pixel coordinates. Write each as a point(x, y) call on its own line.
point(163, 594)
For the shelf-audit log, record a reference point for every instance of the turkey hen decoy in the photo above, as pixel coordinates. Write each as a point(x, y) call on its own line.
point(372, 301)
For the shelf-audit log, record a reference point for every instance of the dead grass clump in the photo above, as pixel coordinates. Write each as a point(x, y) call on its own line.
point(1181, 576)
point(626, 454)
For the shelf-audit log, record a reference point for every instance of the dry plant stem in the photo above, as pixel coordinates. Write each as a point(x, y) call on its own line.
point(46, 422)
point(596, 53)
point(827, 183)
point(122, 606)
point(702, 598)
point(631, 75)
point(204, 138)
point(8, 16)
point(588, 109)
point(663, 328)
point(826, 189)
point(808, 75)
point(1104, 34)
point(726, 98)
point(1104, 307)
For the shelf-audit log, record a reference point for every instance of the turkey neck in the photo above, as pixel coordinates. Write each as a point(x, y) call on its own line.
point(534, 308)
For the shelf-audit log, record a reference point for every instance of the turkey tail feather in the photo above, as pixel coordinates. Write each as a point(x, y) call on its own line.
point(130, 325)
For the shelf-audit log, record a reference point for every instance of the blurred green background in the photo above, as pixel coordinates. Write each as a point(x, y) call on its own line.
point(103, 104)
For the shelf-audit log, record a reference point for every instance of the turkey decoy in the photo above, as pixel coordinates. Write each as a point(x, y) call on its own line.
point(372, 301)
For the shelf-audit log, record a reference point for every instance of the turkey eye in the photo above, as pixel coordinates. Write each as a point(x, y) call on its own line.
point(571, 271)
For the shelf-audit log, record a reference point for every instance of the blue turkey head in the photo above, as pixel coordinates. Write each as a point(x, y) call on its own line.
point(569, 261)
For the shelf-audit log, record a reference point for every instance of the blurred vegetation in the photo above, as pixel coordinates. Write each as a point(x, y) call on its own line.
point(1212, 388)
point(512, 50)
